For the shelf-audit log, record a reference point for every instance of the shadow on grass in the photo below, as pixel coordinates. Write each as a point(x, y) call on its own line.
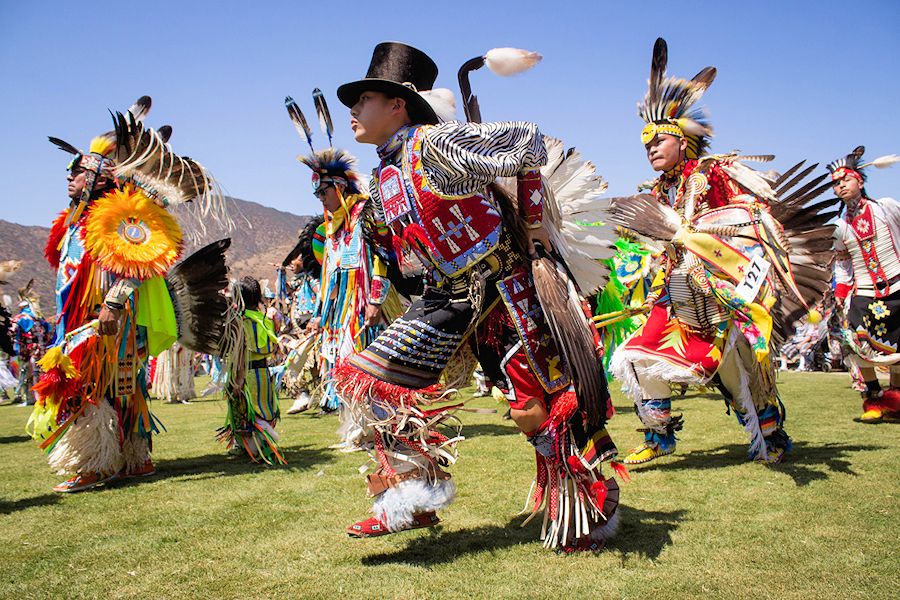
point(804, 464)
point(11, 506)
point(645, 533)
point(471, 431)
point(212, 466)
point(13, 439)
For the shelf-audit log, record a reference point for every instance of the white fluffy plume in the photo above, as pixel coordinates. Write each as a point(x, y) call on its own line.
point(510, 61)
point(883, 162)
point(443, 102)
point(8, 267)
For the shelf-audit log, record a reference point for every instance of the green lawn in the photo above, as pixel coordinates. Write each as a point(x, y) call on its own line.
point(701, 523)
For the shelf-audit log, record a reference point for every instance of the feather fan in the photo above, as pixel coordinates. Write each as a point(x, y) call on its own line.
point(196, 285)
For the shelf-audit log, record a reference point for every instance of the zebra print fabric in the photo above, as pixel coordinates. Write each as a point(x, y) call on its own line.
point(462, 158)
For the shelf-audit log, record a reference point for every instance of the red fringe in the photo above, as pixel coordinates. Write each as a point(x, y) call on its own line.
point(54, 384)
point(415, 233)
point(493, 328)
point(78, 304)
point(57, 231)
point(564, 406)
point(358, 385)
point(397, 243)
point(598, 492)
point(621, 471)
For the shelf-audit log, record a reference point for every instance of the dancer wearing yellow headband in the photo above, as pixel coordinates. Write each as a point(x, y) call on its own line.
point(729, 285)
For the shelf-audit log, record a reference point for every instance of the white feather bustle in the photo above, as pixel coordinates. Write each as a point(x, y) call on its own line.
point(396, 506)
point(91, 444)
point(608, 530)
point(510, 61)
point(136, 451)
point(443, 102)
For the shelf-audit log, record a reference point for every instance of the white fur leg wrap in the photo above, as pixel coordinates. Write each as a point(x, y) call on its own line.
point(136, 451)
point(91, 444)
point(396, 506)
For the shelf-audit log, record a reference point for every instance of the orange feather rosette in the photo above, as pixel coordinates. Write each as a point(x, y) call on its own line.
point(131, 236)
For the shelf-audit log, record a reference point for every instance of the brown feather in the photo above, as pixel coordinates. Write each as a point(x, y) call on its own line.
point(573, 335)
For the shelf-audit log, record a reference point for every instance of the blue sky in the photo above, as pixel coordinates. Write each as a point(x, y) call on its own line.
point(797, 79)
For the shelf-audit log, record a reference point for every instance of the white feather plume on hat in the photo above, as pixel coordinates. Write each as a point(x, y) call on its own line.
point(442, 101)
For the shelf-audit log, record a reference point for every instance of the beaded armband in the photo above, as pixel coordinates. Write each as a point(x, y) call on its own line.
point(378, 291)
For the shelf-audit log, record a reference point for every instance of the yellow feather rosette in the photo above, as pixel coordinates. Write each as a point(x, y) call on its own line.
point(131, 236)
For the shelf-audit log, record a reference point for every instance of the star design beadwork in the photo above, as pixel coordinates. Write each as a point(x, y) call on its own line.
point(878, 309)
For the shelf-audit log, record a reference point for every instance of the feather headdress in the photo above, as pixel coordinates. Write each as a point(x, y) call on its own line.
point(669, 105)
point(136, 154)
point(325, 122)
point(851, 164)
point(332, 165)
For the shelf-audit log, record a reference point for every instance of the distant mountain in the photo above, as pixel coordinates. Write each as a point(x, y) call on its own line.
point(262, 236)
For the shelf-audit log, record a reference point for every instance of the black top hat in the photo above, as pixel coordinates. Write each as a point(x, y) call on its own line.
point(400, 71)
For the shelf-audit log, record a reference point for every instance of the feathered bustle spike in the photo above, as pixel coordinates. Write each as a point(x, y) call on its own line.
point(755, 157)
point(795, 180)
point(469, 100)
point(324, 116)
point(782, 178)
point(705, 77)
point(140, 108)
point(883, 162)
point(299, 121)
point(572, 331)
point(165, 132)
point(658, 63)
point(510, 61)
point(64, 145)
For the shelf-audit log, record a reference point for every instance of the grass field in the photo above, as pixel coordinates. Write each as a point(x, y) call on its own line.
point(701, 523)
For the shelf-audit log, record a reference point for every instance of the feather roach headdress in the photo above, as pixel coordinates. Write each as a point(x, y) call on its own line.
point(668, 107)
point(332, 166)
point(853, 164)
point(328, 166)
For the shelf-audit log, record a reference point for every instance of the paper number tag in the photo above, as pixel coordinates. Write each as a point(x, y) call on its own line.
point(749, 286)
